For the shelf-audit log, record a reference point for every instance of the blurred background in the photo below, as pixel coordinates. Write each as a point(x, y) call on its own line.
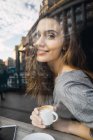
point(18, 20)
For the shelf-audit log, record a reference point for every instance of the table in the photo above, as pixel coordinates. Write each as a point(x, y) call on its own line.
point(24, 129)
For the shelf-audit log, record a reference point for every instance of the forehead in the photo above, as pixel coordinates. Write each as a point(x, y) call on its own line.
point(48, 24)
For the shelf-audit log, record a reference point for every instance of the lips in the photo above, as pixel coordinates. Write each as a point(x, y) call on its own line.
point(41, 52)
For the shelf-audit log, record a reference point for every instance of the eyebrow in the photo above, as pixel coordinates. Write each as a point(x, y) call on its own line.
point(48, 31)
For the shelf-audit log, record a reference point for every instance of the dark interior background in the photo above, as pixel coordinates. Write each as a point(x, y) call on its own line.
point(87, 44)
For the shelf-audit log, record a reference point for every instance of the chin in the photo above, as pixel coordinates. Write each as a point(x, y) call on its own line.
point(41, 60)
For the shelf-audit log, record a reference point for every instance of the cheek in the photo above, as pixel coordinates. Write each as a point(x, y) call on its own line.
point(55, 44)
point(55, 48)
point(54, 53)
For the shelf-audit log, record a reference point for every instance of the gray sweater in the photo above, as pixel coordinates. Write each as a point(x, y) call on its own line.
point(73, 96)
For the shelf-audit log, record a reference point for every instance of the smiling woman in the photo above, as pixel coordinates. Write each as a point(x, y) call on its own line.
point(58, 76)
point(49, 40)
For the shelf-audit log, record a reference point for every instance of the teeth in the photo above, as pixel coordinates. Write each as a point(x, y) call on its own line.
point(43, 50)
point(46, 51)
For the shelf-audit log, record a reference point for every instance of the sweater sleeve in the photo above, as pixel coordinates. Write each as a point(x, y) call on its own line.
point(78, 98)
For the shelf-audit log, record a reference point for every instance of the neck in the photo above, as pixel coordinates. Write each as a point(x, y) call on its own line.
point(56, 66)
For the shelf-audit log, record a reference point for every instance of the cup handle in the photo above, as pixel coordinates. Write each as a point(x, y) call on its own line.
point(55, 115)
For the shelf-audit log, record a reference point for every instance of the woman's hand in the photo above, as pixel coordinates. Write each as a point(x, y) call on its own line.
point(36, 119)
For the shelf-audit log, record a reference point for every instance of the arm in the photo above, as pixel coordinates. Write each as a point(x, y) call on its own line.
point(67, 126)
point(73, 127)
point(79, 101)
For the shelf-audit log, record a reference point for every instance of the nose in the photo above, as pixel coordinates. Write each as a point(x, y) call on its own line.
point(40, 42)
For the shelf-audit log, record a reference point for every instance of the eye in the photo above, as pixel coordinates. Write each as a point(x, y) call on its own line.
point(50, 36)
point(36, 36)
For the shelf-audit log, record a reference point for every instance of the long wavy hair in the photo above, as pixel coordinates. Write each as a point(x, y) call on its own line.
point(40, 78)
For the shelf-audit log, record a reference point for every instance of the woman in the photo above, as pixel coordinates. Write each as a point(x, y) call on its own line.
point(59, 69)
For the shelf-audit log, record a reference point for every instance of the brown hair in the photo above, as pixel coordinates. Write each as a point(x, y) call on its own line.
point(40, 80)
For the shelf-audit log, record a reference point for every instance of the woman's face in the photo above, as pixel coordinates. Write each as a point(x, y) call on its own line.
point(49, 40)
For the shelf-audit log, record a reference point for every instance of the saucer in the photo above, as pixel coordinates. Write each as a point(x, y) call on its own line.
point(38, 136)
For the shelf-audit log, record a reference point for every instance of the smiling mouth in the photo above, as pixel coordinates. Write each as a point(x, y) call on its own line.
point(42, 51)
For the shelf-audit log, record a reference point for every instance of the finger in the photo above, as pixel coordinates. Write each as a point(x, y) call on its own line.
point(36, 110)
point(36, 119)
point(38, 125)
point(34, 115)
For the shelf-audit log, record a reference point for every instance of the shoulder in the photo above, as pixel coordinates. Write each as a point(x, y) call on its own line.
point(75, 91)
point(74, 85)
point(73, 75)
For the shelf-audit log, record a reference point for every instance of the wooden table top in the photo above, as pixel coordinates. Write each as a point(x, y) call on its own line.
point(24, 129)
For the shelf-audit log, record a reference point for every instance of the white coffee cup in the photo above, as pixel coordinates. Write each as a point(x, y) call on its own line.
point(48, 115)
